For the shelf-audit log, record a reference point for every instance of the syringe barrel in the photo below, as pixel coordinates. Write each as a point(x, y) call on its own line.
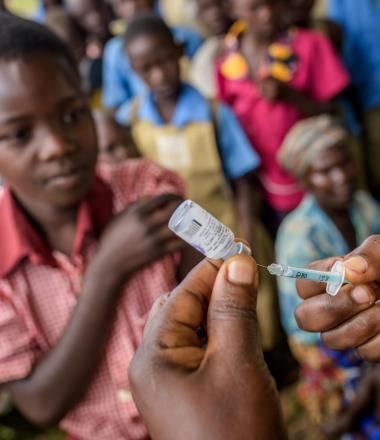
point(313, 275)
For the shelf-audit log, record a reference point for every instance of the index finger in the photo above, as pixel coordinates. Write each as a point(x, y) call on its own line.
point(159, 202)
point(186, 307)
point(307, 289)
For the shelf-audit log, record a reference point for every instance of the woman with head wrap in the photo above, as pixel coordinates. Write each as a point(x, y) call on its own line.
point(331, 220)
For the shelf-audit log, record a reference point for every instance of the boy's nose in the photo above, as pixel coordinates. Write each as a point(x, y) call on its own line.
point(157, 75)
point(54, 145)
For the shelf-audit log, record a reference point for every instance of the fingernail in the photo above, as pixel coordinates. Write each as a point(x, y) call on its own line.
point(240, 272)
point(356, 264)
point(361, 296)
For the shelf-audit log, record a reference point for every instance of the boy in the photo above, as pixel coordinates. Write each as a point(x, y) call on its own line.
point(177, 127)
point(180, 129)
point(115, 140)
point(69, 324)
point(121, 84)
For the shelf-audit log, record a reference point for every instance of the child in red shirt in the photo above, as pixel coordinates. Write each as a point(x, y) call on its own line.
point(83, 253)
point(273, 76)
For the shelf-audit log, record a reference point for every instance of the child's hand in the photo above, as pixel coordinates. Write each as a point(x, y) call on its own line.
point(190, 386)
point(351, 318)
point(272, 89)
point(138, 236)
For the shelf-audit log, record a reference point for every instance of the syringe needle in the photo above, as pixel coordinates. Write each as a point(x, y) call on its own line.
point(260, 265)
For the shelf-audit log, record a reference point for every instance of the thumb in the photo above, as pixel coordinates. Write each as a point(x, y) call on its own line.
point(232, 320)
point(363, 264)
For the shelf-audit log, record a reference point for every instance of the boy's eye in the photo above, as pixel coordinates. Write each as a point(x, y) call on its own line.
point(73, 116)
point(19, 135)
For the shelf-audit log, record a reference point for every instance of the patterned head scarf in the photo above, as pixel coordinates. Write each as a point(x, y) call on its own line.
point(306, 140)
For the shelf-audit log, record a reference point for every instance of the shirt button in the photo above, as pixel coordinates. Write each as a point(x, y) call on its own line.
point(124, 396)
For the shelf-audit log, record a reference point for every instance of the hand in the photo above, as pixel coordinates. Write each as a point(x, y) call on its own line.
point(189, 388)
point(367, 398)
point(272, 89)
point(350, 319)
point(138, 236)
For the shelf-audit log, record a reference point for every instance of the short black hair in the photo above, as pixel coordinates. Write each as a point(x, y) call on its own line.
point(20, 38)
point(147, 24)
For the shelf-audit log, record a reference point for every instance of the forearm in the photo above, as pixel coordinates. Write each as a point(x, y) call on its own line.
point(246, 207)
point(306, 105)
point(60, 379)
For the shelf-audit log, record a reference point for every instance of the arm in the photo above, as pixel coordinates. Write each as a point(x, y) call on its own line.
point(135, 238)
point(246, 201)
point(275, 90)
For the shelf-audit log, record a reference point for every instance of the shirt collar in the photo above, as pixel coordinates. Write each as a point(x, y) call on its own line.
point(20, 240)
point(191, 107)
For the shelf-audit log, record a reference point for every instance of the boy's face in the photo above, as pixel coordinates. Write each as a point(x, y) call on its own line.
point(332, 178)
point(92, 16)
point(48, 145)
point(156, 59)
point(127, 9)
point(265, 18)
point(115, 142)
point(213, 14)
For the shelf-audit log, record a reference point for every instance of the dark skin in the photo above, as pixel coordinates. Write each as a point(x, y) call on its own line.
point(213, 15)
point(127, 9)
point(332, 180)
point(265, 21)
point(349, 320)
point(68, 30)
point(221, 389)
point(300, 12)
point(156, 59)
point(93, 17)
point(115, 141)
point(48, 152)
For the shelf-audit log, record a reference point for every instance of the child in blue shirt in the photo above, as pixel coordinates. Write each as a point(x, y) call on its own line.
point(176, 126)
point(120, 82)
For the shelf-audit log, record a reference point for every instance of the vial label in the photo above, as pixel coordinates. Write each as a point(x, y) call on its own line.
point(201, 230)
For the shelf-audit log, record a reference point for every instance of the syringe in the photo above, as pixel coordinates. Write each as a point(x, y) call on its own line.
point(215, 240)
point(334, 279)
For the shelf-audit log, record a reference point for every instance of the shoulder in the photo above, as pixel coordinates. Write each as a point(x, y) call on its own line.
point(296, 227)
point(138, 178)
point(114, 46)
point(194, 99)
point(307, 39)
point(183, 33)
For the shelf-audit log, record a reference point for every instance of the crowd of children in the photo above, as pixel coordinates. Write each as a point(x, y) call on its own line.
point(111, 112)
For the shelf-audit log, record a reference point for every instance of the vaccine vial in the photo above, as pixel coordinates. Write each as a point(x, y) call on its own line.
point(205, 233)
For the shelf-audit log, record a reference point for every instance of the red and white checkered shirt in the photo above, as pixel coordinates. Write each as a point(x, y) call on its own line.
point(39, 289)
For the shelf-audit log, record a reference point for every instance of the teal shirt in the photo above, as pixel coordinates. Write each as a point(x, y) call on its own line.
point(308, 234)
